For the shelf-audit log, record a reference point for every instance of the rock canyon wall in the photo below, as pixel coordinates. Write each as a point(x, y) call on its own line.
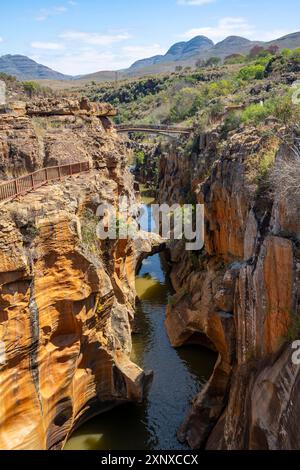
point(240, 295)
point(66, 299)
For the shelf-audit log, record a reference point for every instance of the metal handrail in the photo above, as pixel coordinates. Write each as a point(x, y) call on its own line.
point(136, 127)
point(27, 183)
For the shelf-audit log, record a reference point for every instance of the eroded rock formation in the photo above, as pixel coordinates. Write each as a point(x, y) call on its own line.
point(50, 132)
point(66, 299)
point(240, 295)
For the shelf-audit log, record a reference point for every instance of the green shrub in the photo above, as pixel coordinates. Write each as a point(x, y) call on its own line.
point(282, 108)
point(287, 53)
point(220, 88)
point(186, 103)
point(140, 157)
point(286, 111)
point(212, 61)
point(264, 60)
point(265, 165)
point(251, 72)
point(235, 59)
point(31, 88)
point(231, 122)
point(256, 113)
point(216, 110)
point(296, 55)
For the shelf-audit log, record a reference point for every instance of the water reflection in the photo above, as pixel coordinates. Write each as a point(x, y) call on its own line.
point(178, 376)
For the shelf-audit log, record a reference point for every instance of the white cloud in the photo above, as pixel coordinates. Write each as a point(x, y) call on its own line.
point(233, 26)
point(41, 17)
point(87, 59)
point(50, 46)
point(60, 9)
point(271, 35)
point(194, 2)
point(229, 26)
point(94, 39)
point(44, 13)
point(83, 61)
point(1, 39)
point(141, 52)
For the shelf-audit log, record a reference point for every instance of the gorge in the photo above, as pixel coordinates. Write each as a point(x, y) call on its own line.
point(177, 376)
point(111, 344)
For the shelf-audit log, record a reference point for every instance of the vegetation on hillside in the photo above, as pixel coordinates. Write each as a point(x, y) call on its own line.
point(24, 90)
point(243, 90)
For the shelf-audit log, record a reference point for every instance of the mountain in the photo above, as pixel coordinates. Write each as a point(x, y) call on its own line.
point(232, 45)
point(290, 41)
point(184, 53)
point(187, 54)
point(180, 51)
point(201, 47)
point(24, 68)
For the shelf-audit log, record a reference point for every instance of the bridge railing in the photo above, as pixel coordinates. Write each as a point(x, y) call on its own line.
point(153, 127)
point(19, 186)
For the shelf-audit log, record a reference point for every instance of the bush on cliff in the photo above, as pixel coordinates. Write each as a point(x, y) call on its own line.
point(286, 177)
point(89, 223)
point(231, 122)
point(286, 111)
point(186, 103)
point(256, 113)
point(251, 72)
point(296, 55)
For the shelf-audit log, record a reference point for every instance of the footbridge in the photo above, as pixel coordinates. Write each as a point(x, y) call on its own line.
point(151, 129)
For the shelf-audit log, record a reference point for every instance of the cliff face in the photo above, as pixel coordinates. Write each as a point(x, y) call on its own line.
point(240, 295)
point(66, 299)
point(51, 131)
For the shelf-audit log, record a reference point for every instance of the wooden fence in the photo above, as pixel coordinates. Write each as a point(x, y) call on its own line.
point(24, 184)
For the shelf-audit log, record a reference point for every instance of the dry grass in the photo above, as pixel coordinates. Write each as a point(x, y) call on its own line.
point(286, 177)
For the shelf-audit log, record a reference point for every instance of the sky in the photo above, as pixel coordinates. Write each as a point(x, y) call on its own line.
point(85, 36)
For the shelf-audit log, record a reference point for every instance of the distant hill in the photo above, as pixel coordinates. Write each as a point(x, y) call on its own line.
point(180, 51)
point(202, 47)
point(291, 41)
point(185, 53)
point(24, 68)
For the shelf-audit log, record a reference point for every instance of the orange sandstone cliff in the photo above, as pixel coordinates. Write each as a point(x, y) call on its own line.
point(66, 300)
point(240, 295)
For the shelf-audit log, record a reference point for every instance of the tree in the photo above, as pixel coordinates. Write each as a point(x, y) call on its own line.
point(235, 59)
point(213, 61)
point(200, 63)
point(31, 88)
point(273, 49)
point(185, 103)
point(178, 68)
point(264, 54)
point(256, 51)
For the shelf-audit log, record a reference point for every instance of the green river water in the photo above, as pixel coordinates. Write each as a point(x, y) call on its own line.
point(178, 376)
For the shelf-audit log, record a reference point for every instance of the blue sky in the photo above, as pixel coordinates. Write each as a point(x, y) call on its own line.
point(83, 36)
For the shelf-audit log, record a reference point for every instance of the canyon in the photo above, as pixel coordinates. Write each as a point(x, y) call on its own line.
point(68, 301)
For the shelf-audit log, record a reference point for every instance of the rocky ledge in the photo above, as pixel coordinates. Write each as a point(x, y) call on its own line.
point(240, 295)
point(49, 132)
point(66, 298)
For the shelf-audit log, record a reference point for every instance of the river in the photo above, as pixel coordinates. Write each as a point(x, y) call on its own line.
point(178, 376)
